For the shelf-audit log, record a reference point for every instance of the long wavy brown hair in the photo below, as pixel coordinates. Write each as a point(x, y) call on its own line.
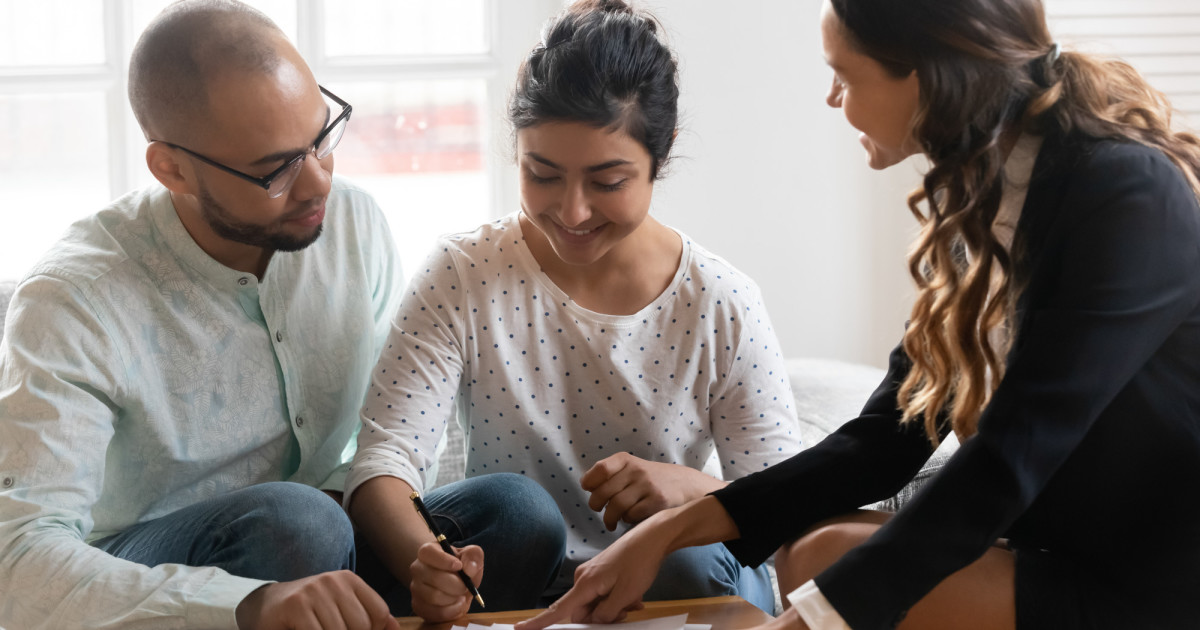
point(988, 71)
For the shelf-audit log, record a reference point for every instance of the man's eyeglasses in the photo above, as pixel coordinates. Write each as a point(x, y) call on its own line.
point(281, 179)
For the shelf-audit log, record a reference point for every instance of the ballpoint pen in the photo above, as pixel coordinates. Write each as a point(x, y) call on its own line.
point(441, 538)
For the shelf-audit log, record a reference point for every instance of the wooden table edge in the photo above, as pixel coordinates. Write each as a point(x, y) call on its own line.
point(729, 612)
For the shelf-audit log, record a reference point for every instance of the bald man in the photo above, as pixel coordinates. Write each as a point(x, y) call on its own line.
point(181, 375)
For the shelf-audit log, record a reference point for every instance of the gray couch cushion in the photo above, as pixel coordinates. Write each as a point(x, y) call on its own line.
point(828, 393)
point(6, 290)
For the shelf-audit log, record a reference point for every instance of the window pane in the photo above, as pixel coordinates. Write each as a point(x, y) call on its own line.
point(53, 170)
point(419, 147)
point(405, 27)
point(282, 12)
point(51, 33)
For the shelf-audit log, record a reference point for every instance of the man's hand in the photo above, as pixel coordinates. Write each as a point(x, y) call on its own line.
point(438, 594)
point(335, 600)
point(631, 489)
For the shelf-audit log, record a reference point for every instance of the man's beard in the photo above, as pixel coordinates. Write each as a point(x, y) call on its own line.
point(228, 228)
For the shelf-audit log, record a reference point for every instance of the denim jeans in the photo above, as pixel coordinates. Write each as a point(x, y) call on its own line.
point(273, 531)
point(511, 517)
point(711, 571)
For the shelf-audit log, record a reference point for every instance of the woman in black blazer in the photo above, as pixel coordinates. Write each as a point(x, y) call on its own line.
point(1056, 331)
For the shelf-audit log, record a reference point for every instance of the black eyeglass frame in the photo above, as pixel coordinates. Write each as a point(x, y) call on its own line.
point(265, 182)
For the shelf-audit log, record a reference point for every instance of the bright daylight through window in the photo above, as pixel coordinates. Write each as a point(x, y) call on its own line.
point(419, 74)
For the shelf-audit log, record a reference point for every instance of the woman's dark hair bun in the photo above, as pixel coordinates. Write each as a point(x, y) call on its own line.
point(602, 63)
point(604, 6)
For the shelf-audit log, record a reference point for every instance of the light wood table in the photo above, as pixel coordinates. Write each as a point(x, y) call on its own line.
point(723, 613)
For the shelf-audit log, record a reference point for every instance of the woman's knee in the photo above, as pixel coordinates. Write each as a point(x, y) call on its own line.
point(516, 522)
point(506, 500)
point(707, 571)
point(804, 558)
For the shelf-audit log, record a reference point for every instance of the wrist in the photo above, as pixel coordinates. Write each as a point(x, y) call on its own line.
point(249, 610)
point(700, 522)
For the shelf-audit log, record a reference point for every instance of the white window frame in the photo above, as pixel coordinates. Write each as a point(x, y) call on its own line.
point(1161, 38)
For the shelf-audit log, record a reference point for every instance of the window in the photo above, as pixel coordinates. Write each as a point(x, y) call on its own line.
point(427, 79)
point(1161, 38)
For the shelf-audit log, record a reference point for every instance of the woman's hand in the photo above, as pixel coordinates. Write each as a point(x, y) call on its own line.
point(438, 594)
point(789, 620)
point(611, 584)
point(631, 489)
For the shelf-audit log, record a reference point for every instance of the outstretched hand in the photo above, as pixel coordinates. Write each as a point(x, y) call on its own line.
point(610, 585)
point(631, 489)
point(788, 620)
point(438, 594)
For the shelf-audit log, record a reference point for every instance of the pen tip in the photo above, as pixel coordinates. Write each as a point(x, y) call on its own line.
point(415, 495)
point(479, 598)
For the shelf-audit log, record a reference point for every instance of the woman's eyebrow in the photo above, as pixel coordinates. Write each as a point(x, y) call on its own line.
point(607, 165)
point(590, 169)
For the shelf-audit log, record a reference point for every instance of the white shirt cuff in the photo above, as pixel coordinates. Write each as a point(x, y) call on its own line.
point(814, 609)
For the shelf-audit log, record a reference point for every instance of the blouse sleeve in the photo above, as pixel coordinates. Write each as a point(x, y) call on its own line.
point(415, 383)
point(753, 421)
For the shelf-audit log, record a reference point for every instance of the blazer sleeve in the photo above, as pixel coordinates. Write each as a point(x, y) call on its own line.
point(870, 458)
point(1116, 279)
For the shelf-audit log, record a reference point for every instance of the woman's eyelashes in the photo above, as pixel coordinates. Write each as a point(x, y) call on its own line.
point(554, 179)
point(613, 187)
point(537, 179)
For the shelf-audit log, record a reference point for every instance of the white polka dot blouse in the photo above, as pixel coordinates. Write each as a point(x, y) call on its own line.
point(545, 388)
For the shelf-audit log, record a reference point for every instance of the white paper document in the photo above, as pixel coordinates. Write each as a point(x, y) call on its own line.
point(678, 622)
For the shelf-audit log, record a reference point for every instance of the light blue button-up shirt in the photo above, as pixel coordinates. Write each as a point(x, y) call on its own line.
point(139, 376)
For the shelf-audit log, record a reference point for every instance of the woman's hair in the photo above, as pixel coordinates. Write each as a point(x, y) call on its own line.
point(986, 68)
point(603, 64)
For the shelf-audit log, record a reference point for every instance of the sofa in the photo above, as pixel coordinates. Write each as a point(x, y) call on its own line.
point(6, 291)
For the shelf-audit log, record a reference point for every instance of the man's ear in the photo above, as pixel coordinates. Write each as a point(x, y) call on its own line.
point(165, 165)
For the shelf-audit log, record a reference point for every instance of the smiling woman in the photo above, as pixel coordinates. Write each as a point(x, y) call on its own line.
point(596, 356)
point(877, 102)
point(585, 200)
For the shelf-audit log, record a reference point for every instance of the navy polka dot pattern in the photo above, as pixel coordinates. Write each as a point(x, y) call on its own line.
point(546, 388)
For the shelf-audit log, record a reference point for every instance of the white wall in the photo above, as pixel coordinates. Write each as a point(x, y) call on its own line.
point(775, 181)
point(770, 178)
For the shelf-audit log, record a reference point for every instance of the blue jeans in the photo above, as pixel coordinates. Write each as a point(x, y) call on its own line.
point(273, 531)
point(511, 517)
point(710, 571)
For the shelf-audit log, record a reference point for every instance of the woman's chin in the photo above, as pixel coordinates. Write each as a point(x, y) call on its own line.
point(878, 157)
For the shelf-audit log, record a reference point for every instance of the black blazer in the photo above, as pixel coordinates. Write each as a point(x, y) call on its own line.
point(1090, 447)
